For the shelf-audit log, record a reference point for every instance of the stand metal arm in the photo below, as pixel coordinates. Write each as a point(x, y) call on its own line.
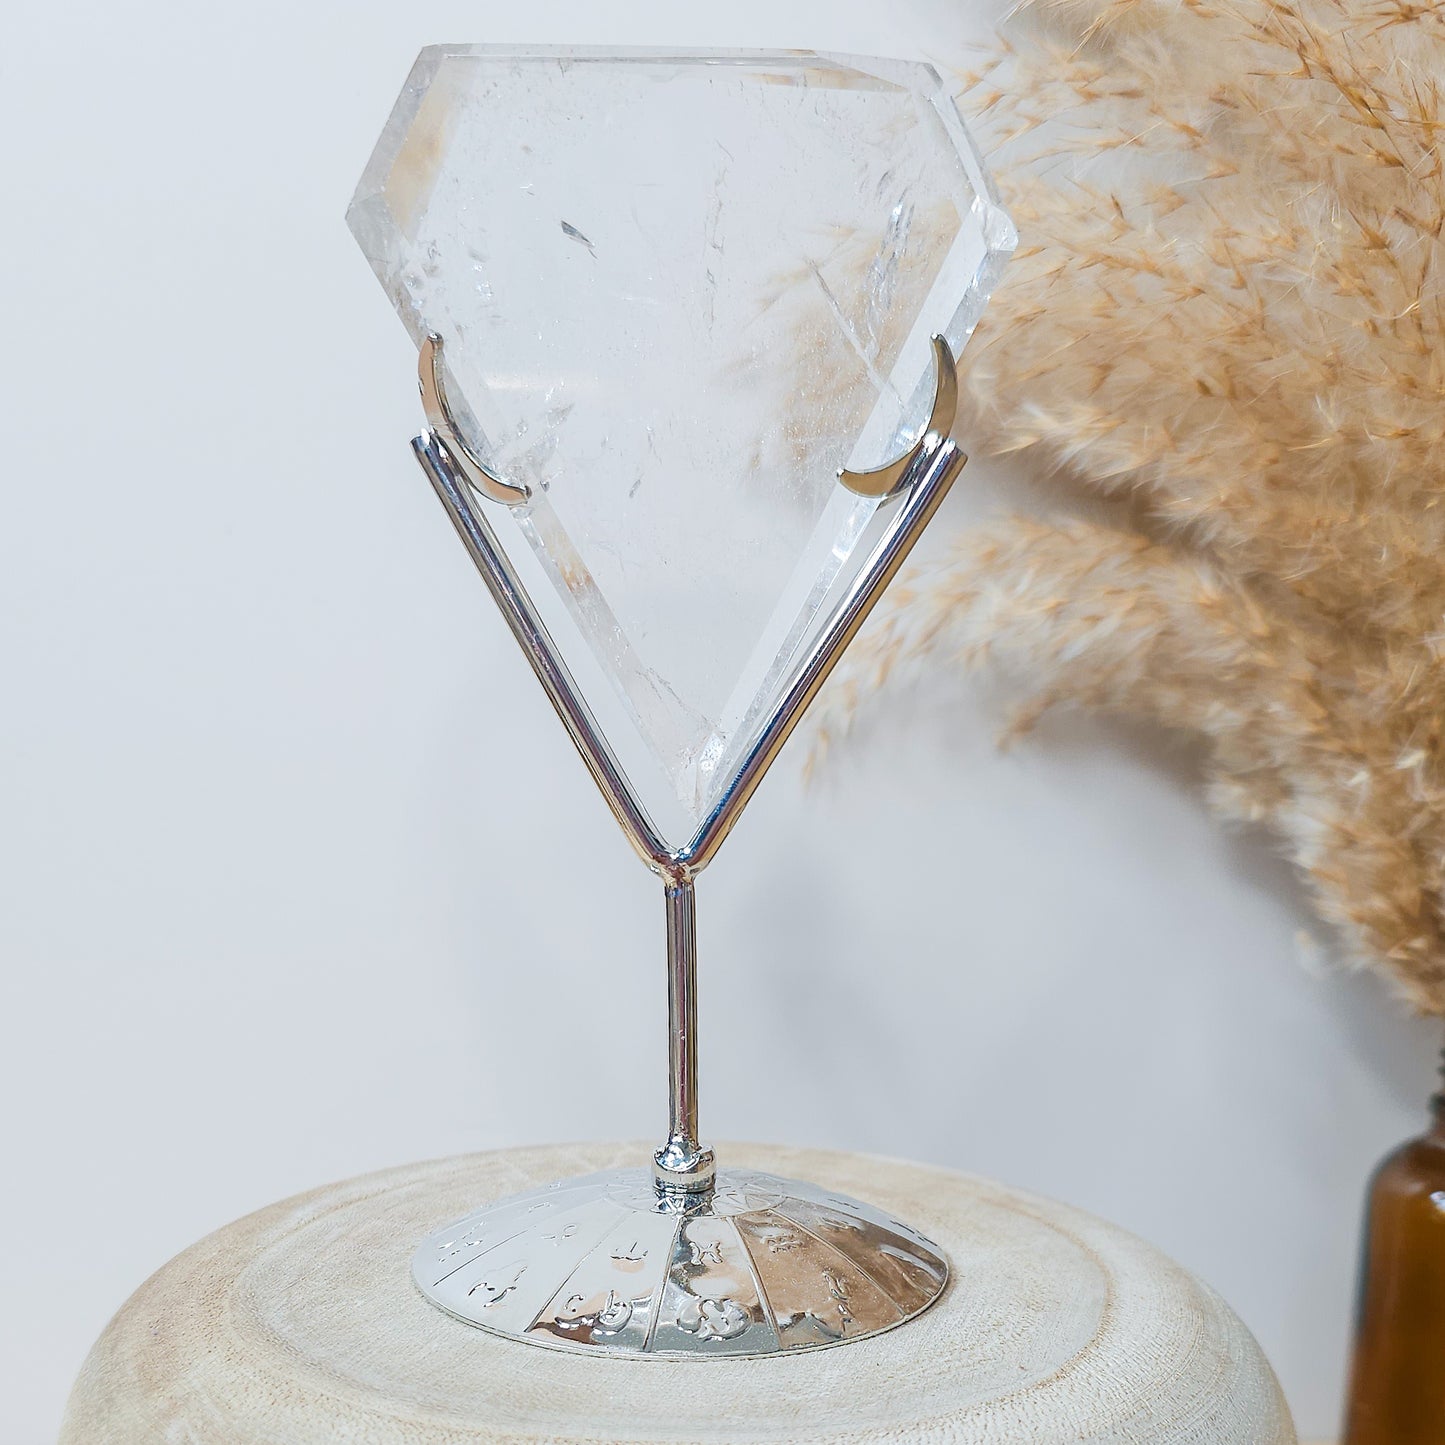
point(929, 477)
point(516, 605)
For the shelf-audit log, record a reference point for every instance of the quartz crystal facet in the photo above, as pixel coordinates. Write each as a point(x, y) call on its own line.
point(676, 294)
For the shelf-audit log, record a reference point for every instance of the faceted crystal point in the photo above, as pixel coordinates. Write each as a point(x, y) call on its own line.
point(677, 293)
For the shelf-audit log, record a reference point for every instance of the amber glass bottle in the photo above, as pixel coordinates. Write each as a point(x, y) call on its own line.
point(1397, 1386)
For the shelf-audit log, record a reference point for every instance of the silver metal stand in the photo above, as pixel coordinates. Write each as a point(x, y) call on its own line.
point(681, 1259)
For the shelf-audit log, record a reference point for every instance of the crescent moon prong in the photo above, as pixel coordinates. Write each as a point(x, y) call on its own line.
point(444, 428)
point(885, 480)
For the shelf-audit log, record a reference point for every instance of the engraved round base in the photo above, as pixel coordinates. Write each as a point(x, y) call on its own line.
point(608, 1264)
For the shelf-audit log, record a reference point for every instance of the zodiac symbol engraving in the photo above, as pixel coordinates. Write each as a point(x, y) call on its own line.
point(630, 1256)
point(706, 1251)
point(807, 1324)
point(452, 1247)
point(838, 1288)
point(778, 1239)
point(713, 1319)
point(494, 1288)
point(614, 1314)
point(557, 1236)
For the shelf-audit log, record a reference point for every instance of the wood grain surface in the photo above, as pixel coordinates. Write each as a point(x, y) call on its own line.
point(300, 1324)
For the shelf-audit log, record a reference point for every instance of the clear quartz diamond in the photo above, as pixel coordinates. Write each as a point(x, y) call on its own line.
point(677, 293)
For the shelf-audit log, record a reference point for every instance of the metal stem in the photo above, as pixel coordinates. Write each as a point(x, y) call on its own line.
point(682, 1164)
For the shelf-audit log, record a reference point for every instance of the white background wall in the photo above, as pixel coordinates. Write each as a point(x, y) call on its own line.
point(266, 755)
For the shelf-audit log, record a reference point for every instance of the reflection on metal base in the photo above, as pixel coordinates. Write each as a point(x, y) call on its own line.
point(609, 1264)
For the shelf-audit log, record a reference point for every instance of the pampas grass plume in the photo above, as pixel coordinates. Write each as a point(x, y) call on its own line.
point(1227, 318)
